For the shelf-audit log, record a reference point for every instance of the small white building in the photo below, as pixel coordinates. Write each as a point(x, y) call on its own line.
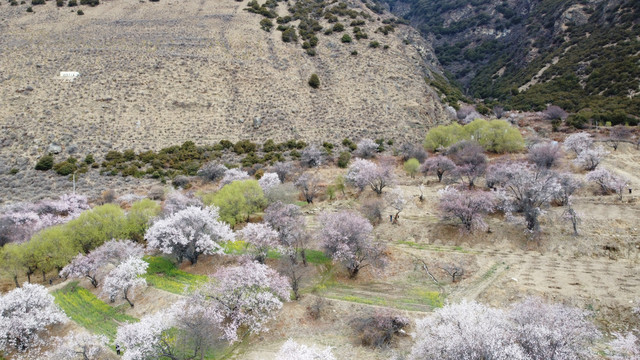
point(69, 75)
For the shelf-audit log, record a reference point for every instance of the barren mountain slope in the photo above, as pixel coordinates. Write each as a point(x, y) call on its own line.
point(158, 74)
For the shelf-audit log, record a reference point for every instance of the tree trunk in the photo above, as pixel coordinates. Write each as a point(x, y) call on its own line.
point(440, 173)
point(353, 272)
point(29, 276)
point(93, 280)
point(303, 254)
point(44, 276)
point(294, 285)
point(532, 221)
point(126, 298)
point(15, 280)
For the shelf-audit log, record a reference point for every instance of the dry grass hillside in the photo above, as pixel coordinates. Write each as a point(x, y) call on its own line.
point(158, 74)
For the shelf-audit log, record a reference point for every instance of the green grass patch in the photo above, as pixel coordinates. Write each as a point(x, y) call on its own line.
point(301, 203)
point(164, 275)
point(361, 300)
point(317, 257)
point(433, 299)
point(235, 247)
point(88, 311)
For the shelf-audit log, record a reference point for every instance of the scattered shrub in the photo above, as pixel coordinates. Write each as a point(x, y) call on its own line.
point(45, 163)
point(314, 81)
point(180, 181)
point(343, 159)
point(266, 24)
point(378, 330)
point(64, 168)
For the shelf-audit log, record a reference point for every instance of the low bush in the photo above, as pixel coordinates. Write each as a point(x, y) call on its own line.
point(65, 168)
point(343, 159)
point(314, 81)
point(45, 163)
point(378, 330)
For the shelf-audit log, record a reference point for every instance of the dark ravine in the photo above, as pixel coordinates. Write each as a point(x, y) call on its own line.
point(527, 54)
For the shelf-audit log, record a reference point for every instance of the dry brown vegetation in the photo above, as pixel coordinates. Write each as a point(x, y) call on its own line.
point(159, 74)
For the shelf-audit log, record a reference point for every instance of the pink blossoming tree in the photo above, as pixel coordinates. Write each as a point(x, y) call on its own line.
point(346, 238)
point(467, 206)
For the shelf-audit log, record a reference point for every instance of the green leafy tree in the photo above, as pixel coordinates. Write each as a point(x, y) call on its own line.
point(139, 218)
point(237, 201)
point(30, 258)
point(11, 262)
point(412, 166)
point(496, 136)
point(443, 136)
point(499, 136)
point(94, 227)
point(53, 248)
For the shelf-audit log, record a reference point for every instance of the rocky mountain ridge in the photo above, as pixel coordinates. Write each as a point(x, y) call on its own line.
point(582, 55)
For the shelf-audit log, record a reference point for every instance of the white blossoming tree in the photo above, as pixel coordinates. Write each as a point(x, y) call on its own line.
point(232, 175)
point(528, 190)
point(608, 181)
point(261, 238)
point(187, 330)
point(112, 252)
point(190, 233)
point(531, 330)
point(148, 338)
point(246, 297)
point(124, 278)
point(289, 222)
point(268, 181)
point(363, 173)
point(79, 346)
point(578, 142)
point(589, 159)
point(25, 314)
